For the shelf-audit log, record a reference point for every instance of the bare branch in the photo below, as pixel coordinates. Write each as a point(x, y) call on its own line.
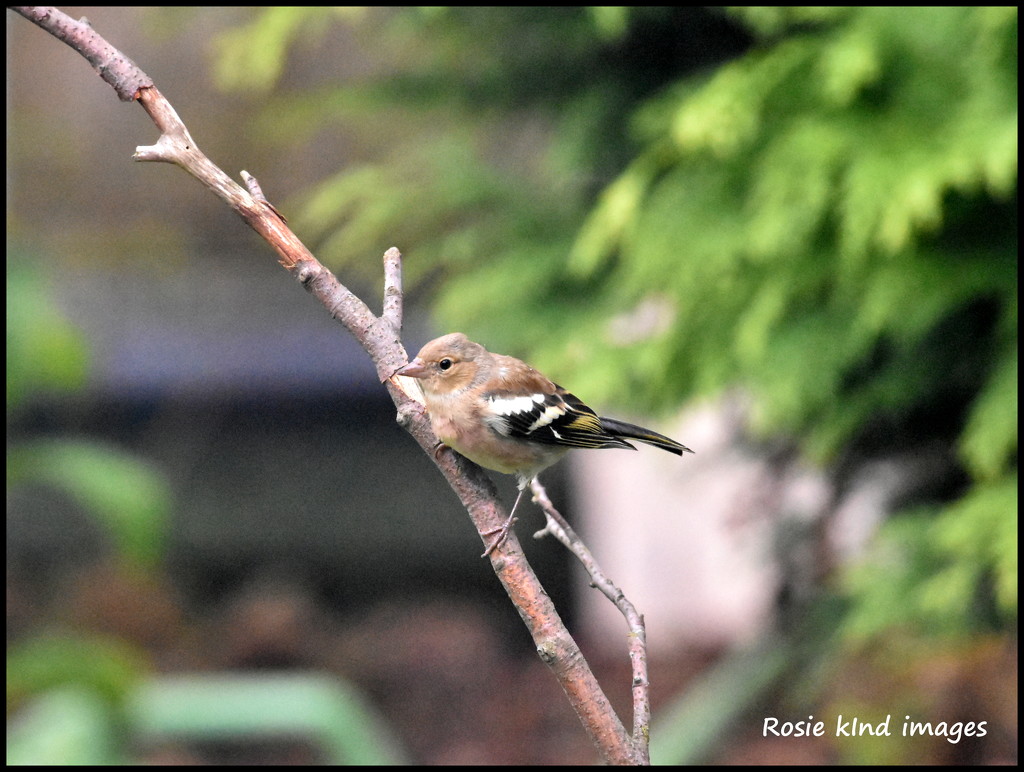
point(111, 65)
point(559, 527)
point(379, 336)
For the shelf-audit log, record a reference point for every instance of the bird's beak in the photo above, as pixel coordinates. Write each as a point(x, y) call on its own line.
point(415, 369)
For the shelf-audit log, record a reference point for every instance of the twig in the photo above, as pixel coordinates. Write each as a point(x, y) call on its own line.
point(253, 186)
point(558, 526)
point(379, 336)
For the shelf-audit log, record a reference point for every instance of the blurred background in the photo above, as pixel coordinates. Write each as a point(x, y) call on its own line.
point(785, 237)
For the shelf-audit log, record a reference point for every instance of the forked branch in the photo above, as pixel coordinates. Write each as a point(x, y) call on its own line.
point(379, 336)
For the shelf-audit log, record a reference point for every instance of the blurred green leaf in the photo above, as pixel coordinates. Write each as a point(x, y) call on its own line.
point(129, 499)
point(254, 55)
point(989, 443)
point(978, 536)
point(63, 727)
point(44, 352)
point(105, 667)
point(929, 569)
point(611, 21)
point(601, 235)
point(228, 707)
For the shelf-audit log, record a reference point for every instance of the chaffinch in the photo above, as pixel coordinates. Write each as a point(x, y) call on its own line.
point(502, 414)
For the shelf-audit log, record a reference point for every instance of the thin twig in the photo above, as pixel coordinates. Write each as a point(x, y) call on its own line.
point(559, 527)
point(253, 186)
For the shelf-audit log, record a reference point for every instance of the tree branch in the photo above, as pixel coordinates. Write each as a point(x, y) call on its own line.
point(559, 527)
point(110, 64)
point(379, 336)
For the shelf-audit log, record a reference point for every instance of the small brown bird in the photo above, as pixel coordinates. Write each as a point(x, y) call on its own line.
point(500, 413)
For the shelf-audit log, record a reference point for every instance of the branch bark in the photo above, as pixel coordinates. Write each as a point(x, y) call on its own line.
point(379, 337)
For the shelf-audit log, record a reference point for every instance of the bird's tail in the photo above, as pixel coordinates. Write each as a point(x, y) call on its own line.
point(623, 429)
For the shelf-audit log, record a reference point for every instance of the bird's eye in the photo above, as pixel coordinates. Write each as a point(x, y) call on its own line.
point(445, 363)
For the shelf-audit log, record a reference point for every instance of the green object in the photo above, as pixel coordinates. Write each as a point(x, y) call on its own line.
point(228, 707)
point(105, 667)
point(127, 497)
point(67, 726)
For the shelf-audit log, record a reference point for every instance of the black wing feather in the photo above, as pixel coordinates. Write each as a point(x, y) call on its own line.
point(561, 418)
point(557, 419)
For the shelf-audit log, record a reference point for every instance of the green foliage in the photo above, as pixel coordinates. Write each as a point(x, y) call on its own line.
point(66, 693)
point(64, 727)
point(67, 687)
point(828, 219)
point(235, 708)
point(45, 354)
point(253, 56)
point(103, 666)
point(988, 444)
point(933, 571)
point(127, 498)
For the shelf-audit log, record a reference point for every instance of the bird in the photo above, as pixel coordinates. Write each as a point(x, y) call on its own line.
point(504, 415)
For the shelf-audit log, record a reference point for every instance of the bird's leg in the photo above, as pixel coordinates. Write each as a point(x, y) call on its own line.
point(504, 529)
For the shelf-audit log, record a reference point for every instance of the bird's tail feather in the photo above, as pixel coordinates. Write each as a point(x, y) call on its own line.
point(623, 429)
